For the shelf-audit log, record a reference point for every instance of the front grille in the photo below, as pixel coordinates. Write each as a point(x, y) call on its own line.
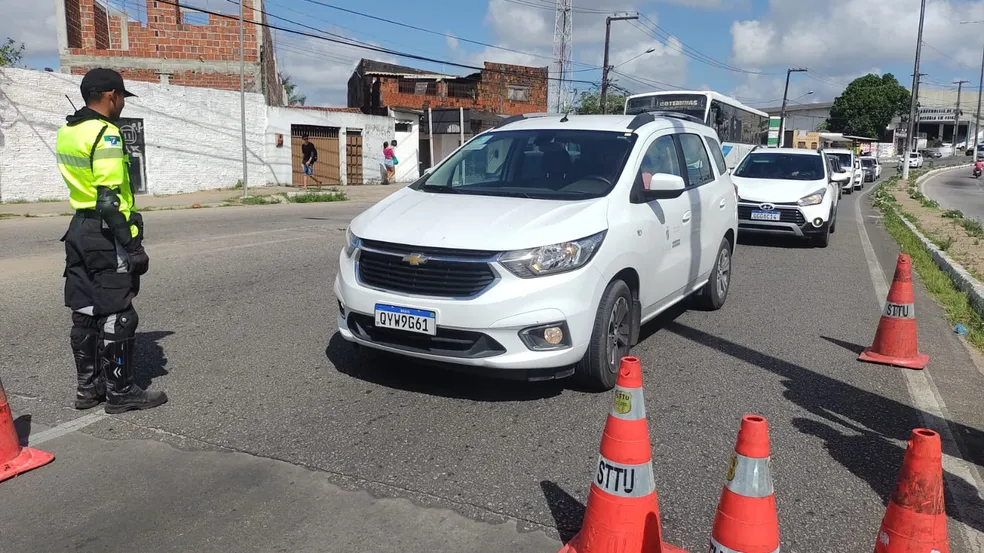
point(786, 215)
point(448, 274)
point(447, 342)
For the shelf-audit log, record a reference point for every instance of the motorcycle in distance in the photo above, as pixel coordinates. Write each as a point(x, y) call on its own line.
point(977, 169)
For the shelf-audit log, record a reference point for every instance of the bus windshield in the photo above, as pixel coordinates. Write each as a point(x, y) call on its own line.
point(694, 105)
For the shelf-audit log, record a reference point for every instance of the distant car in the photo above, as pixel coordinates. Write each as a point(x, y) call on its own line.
point(788, 192)
point(870, 168)
point(846, 159)
point(875, 163)
point(915, 160)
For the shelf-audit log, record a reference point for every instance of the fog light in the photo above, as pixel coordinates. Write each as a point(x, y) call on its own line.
point(818, 222)
point(553, 335)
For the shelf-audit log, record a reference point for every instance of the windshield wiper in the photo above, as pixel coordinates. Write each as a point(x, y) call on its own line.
point(439, 189)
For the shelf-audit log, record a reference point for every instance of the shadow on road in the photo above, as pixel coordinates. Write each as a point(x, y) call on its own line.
point(772, 241)
point(22, 425)
point(151, 360)
point(402, 373)
point(567, 512)
point(877, 420)
point(849, 346)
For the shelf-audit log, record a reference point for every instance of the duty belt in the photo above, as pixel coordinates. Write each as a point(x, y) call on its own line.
point(88, 214)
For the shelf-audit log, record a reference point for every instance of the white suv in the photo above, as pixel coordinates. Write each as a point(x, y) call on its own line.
point(539, 248)
point(789, 192)
point(849, 162)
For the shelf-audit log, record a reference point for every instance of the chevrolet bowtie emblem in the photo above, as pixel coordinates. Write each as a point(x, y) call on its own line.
point(415, 259)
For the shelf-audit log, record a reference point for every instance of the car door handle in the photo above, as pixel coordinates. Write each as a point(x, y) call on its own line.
point(723, 203)
point(686, 217)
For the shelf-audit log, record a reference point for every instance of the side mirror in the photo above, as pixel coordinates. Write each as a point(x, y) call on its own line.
point(663, 186)
point(429, 170)
point(840, 178)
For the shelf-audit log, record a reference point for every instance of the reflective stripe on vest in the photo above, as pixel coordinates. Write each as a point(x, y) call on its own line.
point(629, 404)
point(749, 477)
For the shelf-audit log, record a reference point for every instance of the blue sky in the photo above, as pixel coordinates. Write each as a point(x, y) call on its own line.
point(738, 47)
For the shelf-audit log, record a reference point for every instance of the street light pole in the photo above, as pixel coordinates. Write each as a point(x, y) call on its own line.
point(605, 68)
point(915, 93)
point(242, 90)
point(956, 115)
point(782, 111)
point(977, 118)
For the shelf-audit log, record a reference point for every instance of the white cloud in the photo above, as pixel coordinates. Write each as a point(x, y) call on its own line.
point(452, 43)
point(33, 24)
point(320, 69)
point(763, 91)
point(845, 35)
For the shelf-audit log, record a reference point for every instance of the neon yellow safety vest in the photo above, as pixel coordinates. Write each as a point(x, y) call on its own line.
point(91, 154)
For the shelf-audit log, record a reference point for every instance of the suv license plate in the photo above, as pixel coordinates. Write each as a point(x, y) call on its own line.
point(765, 215)
point(419, 321)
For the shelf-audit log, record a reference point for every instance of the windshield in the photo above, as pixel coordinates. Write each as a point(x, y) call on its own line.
point(541, 164)
point(843, 159)
point(694, 105)
point(868, 162)
point(914, 155)
point(777, 166)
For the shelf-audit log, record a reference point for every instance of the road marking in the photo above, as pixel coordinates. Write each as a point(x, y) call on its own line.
point(962, 478)
point(65, 428)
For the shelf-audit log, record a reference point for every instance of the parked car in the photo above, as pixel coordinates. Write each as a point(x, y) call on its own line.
point(915, 160)
point(508, 257)
point(848, 163)
point(788, 192)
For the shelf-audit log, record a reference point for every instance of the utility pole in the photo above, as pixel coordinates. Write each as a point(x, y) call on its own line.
point(956, 116)
point(605, 68)
point(242, 90)
point(977, 119)
point(915, 94)
point(782, 111)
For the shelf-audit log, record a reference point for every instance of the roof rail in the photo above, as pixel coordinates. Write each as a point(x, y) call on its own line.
point(520, 117)
point(650, 116)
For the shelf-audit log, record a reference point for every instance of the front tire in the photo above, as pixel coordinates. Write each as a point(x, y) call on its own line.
point(822, 240)
point(610, 339)
point(713, 295)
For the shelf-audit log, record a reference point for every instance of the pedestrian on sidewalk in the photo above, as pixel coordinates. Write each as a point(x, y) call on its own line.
point(310, 155)
point(395, 161)
point(104, 253)
point(388, 162)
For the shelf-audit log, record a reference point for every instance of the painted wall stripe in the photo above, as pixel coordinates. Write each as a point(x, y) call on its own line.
point(629, 404)
point(624, 480)
point(749, 477)
point(900, 310)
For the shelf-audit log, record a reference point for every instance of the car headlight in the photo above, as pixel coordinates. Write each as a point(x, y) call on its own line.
point(552, 259)
point(352, 242)
point(813, 199)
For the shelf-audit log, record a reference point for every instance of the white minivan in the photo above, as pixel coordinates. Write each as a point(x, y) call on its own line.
point(539, 248)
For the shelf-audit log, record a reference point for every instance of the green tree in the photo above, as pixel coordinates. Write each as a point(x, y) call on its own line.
point(867, 106)
point(590, 102)
point(294, 96)
point(11, 53)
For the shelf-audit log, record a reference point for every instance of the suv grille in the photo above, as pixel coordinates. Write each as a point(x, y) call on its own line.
point(448, 273)
point(786, 214)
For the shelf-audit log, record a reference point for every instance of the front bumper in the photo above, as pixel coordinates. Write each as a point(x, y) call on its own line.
point(482, 332)
point(794, 220)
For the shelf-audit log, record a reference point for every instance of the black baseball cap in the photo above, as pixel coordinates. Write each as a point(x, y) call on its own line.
point(103, 80)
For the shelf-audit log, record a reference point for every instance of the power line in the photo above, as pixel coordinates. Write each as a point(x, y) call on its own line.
point(533, 4)
point(666, 37)
point(356, 44)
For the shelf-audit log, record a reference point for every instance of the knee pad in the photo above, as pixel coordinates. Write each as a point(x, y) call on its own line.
point(120, 326)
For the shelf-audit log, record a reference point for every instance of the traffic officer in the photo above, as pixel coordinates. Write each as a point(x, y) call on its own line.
point(104, 253)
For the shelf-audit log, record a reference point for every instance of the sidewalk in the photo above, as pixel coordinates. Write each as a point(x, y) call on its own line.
point(209, 198)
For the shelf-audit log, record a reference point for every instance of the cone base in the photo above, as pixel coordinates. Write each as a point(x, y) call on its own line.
point(28, 459)
point(918, 362)
point(664, 548)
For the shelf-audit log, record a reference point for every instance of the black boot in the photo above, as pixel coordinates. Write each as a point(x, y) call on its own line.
point(92, 385)
point(122, 393)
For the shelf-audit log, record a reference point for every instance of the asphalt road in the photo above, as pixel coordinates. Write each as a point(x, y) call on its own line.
point(958, 189)
point(281, 437)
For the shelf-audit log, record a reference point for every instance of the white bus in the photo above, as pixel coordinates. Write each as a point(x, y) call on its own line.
point(739, 127)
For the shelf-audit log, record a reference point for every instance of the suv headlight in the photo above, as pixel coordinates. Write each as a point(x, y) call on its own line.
point(352, 242)
point(813, 199)
point(552, 259)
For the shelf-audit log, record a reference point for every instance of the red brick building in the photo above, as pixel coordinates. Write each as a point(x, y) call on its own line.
point(167, 43)
point(499, 88)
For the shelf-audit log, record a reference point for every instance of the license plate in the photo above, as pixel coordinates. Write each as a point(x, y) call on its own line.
point(420, 321)
point(765, 215)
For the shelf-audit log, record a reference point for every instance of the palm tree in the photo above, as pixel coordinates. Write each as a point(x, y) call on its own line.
point(294, 97)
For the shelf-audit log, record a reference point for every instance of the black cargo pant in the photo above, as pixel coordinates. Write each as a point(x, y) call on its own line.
point(99, 286)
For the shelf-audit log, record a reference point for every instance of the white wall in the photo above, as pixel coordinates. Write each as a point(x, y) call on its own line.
point(445, 144)
point(193, 139)
point(375, 129)
point(407, 147)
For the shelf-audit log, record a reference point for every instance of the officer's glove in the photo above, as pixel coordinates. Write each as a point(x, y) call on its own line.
point(139, 260)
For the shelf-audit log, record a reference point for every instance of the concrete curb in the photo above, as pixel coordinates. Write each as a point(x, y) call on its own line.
point(964, 281)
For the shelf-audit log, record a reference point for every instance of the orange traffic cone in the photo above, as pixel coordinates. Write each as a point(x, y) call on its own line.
point(896, 342)
point(15, 459)
point(916, 516)
point(622, 515)
point(746, 520)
